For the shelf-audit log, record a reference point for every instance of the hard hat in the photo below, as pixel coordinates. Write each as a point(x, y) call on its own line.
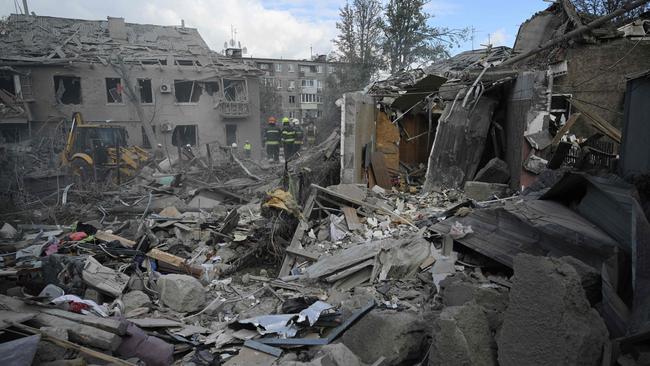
point(295, 121)
point(285, 120)
point(234, 144)
point(272, 120)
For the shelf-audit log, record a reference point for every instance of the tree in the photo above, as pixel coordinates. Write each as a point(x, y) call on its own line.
point(410, 40)
point(603, 7)
point(270, 103)
point(359, 40)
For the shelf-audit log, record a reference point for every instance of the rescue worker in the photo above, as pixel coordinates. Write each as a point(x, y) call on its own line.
point(299, 136)
point(310, 132)
point(247, 149)
point(288, 138)
point(272, 137)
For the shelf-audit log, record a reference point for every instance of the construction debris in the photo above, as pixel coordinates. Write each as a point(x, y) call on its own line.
point(502, 234)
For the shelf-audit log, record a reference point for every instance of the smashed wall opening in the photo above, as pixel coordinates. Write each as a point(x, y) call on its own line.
point(184, 135)
point(67, 89)
point(187, 91)
point(114, 91)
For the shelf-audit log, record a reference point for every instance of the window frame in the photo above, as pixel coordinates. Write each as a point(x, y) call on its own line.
point(190, 102)
point(153, 95)
point(54, 79)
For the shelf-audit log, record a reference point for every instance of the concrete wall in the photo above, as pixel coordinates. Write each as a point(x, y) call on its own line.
point(596, 74)
point(164, 109)
point(357, 130)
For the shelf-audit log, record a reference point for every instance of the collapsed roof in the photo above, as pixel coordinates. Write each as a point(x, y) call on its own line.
point(28, 40)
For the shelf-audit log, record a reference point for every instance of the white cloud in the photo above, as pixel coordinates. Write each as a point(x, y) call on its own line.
point(441, 7)
point(498, 38)
point(275, 30)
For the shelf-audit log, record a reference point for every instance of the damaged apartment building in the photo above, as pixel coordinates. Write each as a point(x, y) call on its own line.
point(158, 82)
point(497, 116)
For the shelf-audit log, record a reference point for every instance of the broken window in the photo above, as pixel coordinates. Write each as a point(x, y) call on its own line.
point(319, 68)
point(161, 61)
point(7, 83)
point(263, 66)
point(114, 90)
point(67, 89)
point(146, 93)
point(212, 87)
point(292, 67)
point(560, 111)
point(9, 134)
point(187, 91)
point(185, 62)
point(235, 90)
point(231, 134)
point(307, 83)
point(292, 84)
point(332, 68)
point(292, 99)
point(145, 139)
point(184, 135)
point(278, 67)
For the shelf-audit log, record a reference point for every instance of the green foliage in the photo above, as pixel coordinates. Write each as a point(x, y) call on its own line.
point(410, 39)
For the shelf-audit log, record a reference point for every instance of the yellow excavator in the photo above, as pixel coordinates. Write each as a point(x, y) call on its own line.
point(96, 152)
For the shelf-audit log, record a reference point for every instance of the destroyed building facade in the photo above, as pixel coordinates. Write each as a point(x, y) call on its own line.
point(126, 74)
point(479, 116)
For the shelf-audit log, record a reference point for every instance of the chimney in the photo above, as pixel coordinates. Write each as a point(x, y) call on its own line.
point(182, 23)
point(116, 28)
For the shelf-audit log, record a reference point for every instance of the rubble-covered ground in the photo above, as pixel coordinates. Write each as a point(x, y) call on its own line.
point(247, 263)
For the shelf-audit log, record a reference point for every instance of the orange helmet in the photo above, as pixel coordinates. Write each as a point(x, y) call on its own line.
point(272, 120)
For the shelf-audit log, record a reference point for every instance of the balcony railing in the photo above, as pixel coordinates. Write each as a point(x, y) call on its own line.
point(234, 109)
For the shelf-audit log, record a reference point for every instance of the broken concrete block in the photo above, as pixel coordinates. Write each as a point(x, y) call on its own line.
point(495, 171)
point(458, 289)
point(103, 278)
point(7, 231)
point(481, 191)
point(549, 320)
point(589, 278)
point(398, 336)
point(135, 299)
point(49, 351)
point(181, 293)
point(461, 336)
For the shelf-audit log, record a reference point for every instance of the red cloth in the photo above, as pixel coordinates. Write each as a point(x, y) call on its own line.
point(79, 235)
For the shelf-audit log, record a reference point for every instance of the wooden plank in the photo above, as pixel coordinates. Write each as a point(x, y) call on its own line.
point(564, 129)
point(303, 253)
point(112, 325)
point(156, 323)
point(7, 318)
point(350, 271)
point(380, 171)
point(108, 237)
point(70, 345)
point(176, 263)
point(351, 218)
point(81, 333)
point(302, 227)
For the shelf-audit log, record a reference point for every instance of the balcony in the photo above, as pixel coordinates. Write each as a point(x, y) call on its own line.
point(234, 109)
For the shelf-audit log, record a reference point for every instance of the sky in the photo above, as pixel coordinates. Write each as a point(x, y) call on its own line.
point(286, 28)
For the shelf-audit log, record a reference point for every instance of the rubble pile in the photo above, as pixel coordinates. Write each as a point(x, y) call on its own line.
point(504, 249)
